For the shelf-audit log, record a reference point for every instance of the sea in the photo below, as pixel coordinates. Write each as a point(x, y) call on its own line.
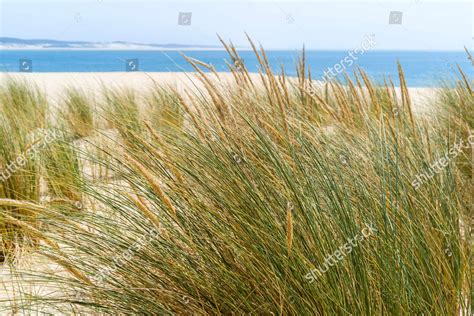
point(422, 68)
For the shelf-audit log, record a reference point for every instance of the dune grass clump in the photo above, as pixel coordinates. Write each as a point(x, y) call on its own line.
point(122, 114)
point(78, 113)
point(26, 138)
point(122, 110)
point(456, 108)
point(245, 236)
point(24, 104)
point(23, 117)
point(165, 109)
point(14, 183)
point(63, 172)
point(457, 105)
point(262, 202)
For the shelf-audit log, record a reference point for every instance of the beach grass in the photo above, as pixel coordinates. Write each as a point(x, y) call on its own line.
point(19, 166)
point(281, 196)
point(78, 113)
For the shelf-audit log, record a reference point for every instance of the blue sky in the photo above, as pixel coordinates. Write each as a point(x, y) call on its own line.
point(440, 25)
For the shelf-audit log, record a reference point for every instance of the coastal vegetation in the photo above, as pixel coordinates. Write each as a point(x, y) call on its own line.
point(250, 195)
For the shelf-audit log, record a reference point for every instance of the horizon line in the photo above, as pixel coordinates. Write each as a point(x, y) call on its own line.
point(188, 47)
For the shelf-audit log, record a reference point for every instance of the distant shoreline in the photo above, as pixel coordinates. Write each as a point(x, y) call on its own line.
point(116, 49)
point(2, 48)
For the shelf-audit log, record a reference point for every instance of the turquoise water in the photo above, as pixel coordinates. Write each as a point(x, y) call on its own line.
point(422, 68)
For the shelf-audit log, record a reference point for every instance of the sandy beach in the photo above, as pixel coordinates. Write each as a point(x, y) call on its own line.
point(54, 84)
